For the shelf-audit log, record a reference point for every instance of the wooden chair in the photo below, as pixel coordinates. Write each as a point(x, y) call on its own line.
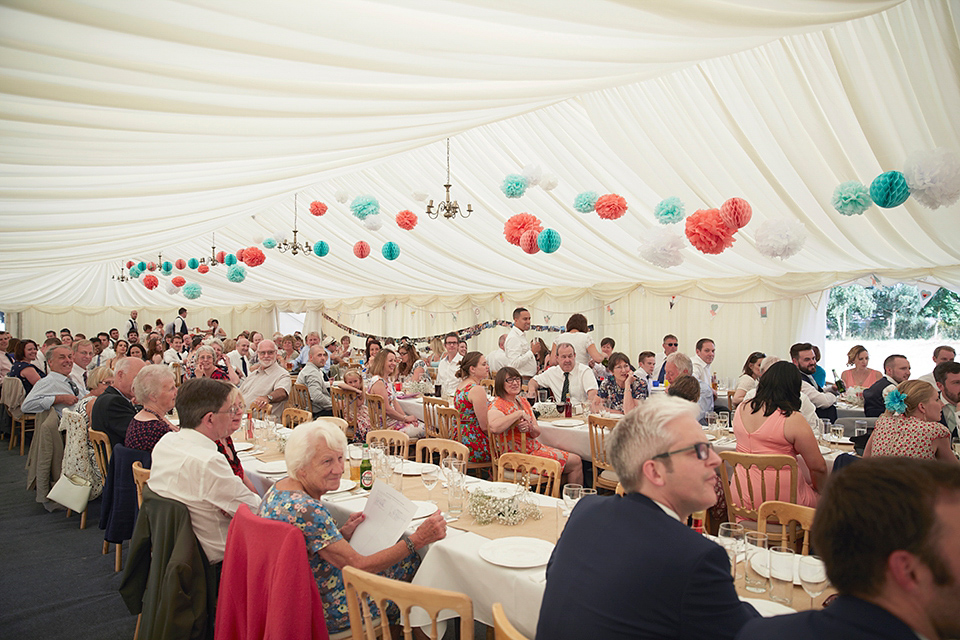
point(755, 492)
point(620, 490)
point(346, 405)
point(300, 398)
point(13, 395)
point(501, 443)
point(377, 410)
point(260, 414)
point(488, 385)
point(430, 418)
point(290, 418)
point(140, 477)
point(340, 422)
point(102, 453)
point(360, 584)
point(790, 516)
point(538, 474)
point(427, 447)
point(502, 628)
point(604, 477)
point(448, 423)
point(177, 373)
point(398, 444)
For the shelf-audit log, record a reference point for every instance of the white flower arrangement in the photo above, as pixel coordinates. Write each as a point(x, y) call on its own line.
point(511, 510)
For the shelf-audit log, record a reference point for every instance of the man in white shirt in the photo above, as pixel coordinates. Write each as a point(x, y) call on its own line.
point(449, 364)
point(82, 355)
point(269, 383)
point(677, 364)
point(568, 377)
point(175, 353)
point(187, 467)
point(240, 358)
point(706, 352)
point(6, 361)
point(315, 380)
point(180, 322)
point(105, 353)
point(943, 353)
point(55, 390)
point(805, 360)
point(497, 359)
point(670, 345)
point(304, 356)
point(646, 365)
point(517, 347)
point(131, 324)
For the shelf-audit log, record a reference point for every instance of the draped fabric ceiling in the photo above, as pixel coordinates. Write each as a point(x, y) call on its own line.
point(136, 128)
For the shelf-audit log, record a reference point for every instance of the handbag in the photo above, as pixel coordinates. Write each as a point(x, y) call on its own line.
point(73, 492)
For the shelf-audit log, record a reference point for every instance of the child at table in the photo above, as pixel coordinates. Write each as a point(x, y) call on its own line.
point(353, 381)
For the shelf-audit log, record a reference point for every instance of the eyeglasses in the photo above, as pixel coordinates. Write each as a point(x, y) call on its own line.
point(512, 380)
point(703, 450)
point(451, 343)
point(232, 411)
point(672, 344)
point(267, 353)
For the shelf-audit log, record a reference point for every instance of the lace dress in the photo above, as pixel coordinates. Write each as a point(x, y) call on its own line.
point(470, 432)
point(78, 454)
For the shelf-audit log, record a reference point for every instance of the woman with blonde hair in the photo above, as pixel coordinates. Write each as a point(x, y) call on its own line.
point(860, 376)
point(910, 427)
point(384, 365)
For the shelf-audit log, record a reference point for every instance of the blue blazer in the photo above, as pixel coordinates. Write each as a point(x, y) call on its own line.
point(848, 618)
point(625, 569)
point(873, 406)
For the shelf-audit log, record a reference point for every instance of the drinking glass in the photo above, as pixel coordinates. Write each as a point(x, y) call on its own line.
point(731, 537)
point(587, 491)
point(813, 576)
point(271, 429)
point(429, 475)
point(711, 420)
point(395, 470)
point(259, 436)
point(541, 395)
point(456, 494)
point(452, 467)
point(723, 421)
point(757, 562)
point(837, 432)
point(571, 494)
point(860, 427)
point(781, 575)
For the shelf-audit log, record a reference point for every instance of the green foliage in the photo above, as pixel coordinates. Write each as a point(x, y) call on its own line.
point(895, 312)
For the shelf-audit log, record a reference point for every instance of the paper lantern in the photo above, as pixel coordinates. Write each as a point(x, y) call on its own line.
point(669, 211)
point(390, 251)
point(141, 266)
point(933, 177)
point(889, 189)
point(528, 241)
point(193, 263)
point(549, 182)
point(548, 240)
point(192, 291)
point(736, 213)
point(707, 232)
point(364, 207)
point(130, 263)
point(240, 254)
point(341, 196)
point(172, 289)
point(178, 281)
point(586, 201)
point(221, 256)
point(229, 259)
point(533, 173)
point(134, 272)
point(321, 249)
point(361, 249)
point(236, 273)
point(253, 257)
point(373, 222)
point(151, 266)
point(515, 225)
point(406, 219)
point(851, 198)
point(166, 268)
point(181, 264)
point(514, 185)
point(151, 282)
point(203, 269)
point(269, 243)
point(318, 208)
point(611, 206)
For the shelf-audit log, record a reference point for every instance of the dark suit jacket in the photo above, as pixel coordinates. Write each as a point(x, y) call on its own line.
point(873, 398)
point(625, 569)
point(112, 414)
point(848, 618)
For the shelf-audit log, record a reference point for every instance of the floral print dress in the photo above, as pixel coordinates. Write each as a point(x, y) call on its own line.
point(470, 432)
point(612, 394)
point(534, 447)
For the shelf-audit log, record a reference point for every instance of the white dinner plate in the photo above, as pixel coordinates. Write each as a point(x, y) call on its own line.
point(242, 446)
point(411, 468)
point(495, 489)
point(567, 422)
point(844, 440)
point(768, 608)
point(517, 552)
point(284, 431)
point(825, 450)
point(345, 485)
point(711, 437)
point(277, 466)
point(765, 571)
point(424, 509)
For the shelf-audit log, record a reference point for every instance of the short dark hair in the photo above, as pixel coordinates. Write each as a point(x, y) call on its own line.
point(517, 312)
point(644, 355)
point(577, 321)
point(686, 387)
point(500, 382)
point(703, 341)
point(104, 334)
point(943, 347)
point(608, 341)
point(751, 359)
point(67, 331)
point(942, 370)
point(214, 320)
point(197, 397)
point(670, 335)
point(888, 362)
point(798, 347)
point(875, 507)
point(452, 334)
point(181, 311)
point(779, 388)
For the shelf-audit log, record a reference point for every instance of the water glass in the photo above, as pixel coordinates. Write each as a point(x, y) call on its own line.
point(818, 429)
point(732, 538)
point(723, 421)
point(456, 494)
point(837, 432)
point(813, 576)
point(571, 494)
point(711, 420)
point(860, 427)
point(781, 575)
point(757, 564)
point(541, 395)
point(395, 467)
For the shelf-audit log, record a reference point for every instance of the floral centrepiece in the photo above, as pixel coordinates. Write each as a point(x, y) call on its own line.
point(516, 225)
point(611, 206)
point(707, 232)
point(514, 185)
point(512, 510)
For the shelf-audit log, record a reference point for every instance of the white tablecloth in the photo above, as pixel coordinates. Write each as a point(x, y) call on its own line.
point(412, 406)
point(573, 439)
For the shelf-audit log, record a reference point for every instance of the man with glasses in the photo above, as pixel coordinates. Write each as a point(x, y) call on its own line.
point(670, 345)
point(269, 383)
point(449, 364)
point(653, 576)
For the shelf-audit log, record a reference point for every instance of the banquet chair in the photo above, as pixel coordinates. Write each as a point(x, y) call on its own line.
point(360, 585)
point(746, 466)
point(427, 447)
point(503, 629)
point(346, 405)
point(448, 423)
point(291, 418)
point(377, 411)
point(604, 477)
point(300, 398)
point(140, 477)
point(260, 414)
point(488, 385)
point(430, 406)
point(119, 506)
point(538, 474)
point(791, 517)
point(12, 394)
point(340, 422)
point(501, 443)
point(177, 373)
point(397, 442)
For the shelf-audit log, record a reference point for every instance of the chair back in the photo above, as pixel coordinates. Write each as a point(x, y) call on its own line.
point(541, 475)
point(604, 477)
point(340, 422)
point(502, 628)
point(346, 404)
point(427, 447)
point(503, 442)
point(397, 442)
point(448, 423)
point(290, 418)
point(177, 373)
point(430, 406)
point(787, 514)
point(756, 479)
point(620, 490)
point(12, 395)
point(101, 450)
point(301, 398)
point(140, 477)
point(377, 411)
point(360, 585)
point(260, 414)
point(488, 385)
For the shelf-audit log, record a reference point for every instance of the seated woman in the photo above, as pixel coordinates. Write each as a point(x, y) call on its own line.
point(910, 427)
point(751, 373)
point(511, 412)
point(315, 457)
point(23, 368)
point(155, 388)
point(539, 349)
point(384, 365)
point(436, 352)
point(136, 350)
point(614, 390)
point(860, 377)
point(771, 423)
point(411, 365)
point(470, 400)
point(155, 349)
point(121, 349)
point(373, 349)
point(286, 354)
point(206, 366)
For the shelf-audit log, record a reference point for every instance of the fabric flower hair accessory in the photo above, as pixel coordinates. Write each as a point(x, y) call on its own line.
point(896, 402)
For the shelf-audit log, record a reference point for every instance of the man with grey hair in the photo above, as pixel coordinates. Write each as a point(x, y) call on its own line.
point(315, 380)
point(57, 389)
point(269, 383)
point(676, 365)
point(653, 577)
point(114, 409)
point(497, 359)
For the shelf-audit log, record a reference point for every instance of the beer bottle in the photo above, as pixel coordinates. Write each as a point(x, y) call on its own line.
point(366, 470)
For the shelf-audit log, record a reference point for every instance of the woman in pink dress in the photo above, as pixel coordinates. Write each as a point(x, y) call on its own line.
point(771, 423)
point(860, 377)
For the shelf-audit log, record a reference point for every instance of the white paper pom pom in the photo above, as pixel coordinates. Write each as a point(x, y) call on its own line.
point(533, 173)
point(373, 222)
point(420, 195)
point(780, 238)
point(172, 289)
point(281, 236)
point(341, 196)
point(549, 182)
point(933, 177)
point(662, 249)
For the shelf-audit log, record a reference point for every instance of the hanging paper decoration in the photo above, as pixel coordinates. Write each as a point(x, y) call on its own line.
point(669, 211)
point(420, 195)
point(203, 269)
point(269, 243)
point(141, 266)
point(610, 309)
point(662, 249)
point(707, 232)
point(548, 240)
point(130, 263)
point(236, 273)
point(406, 219)
point(282, 235)
point(713, 310)
point(549, 182)
point(341, 196)
point(515, 225)
point(318, 208)
point(229, 259)
point(363, 206)
point(321, 249)
point(240, 254)
point(586, 201)
point(181, 264)
point(221, 256)
point(192, 291)
point(514, 185)
point(151, 282)
point(528, 241)
point(193, 263)
point(166, 268)
point(390, 251)
point(172, 289)
point(361, 249)
point(889, 189)
point(736, 213)
point(673, 301)
point(532, 173)
point(611, 206)
point(253, 257)
point(178, 281)
point(151, 266)
point(373, 222)
point(933, 177)
point(135, 272)
point(851, 198)
point(780, 238)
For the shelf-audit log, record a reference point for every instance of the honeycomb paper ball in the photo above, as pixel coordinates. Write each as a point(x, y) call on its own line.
point(203, 269)
point(736, 213)
point(390, 250)
point(178, 281)
point(229, 259)
point(240, 254)
point(151, 266)
point(361, 249)
point(193, 263)
point(141, 266)
point(528, 241)
point(889, 189)
point(130, 263)
point(321, 249)
point(166, 268)
point(221, 256)
point(151, 282)
point(548, 240)
point(134, 272)
point(180, 264)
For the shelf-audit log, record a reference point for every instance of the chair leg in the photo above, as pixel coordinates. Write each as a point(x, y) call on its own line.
point(136, 632)
point(83, 519)
point(106, 547)
point(119, 562)
point(13, 436)
point(23, 435)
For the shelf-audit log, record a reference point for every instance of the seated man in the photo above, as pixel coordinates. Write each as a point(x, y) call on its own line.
point(315, 380)
point(175, 352)
point(114, 409)
point(652, 576)
point(497, 359)
point(947, 375)
point(805, 360)
point(646, 362)
point(943, 353)
point(568, 377)
point(187, 466)
point(896, 369)
point(269, 383)
point(82, 355)
point(57, 389)
point(886, 529)
point(677, 364)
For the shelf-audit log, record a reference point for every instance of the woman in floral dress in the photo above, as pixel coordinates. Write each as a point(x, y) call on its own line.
point(470, 400)
point(911, 425)
point(613, 390)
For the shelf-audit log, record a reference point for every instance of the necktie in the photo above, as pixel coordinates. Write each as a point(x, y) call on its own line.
point(814, 382)
point(73, 387)
point(243, 363)
point(84, 378)
point(663, 368)
point(566, 386)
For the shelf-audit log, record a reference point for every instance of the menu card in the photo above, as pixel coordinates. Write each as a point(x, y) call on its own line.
point(387, 515)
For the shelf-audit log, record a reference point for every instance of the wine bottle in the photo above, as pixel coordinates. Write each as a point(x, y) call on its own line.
point(842, 388)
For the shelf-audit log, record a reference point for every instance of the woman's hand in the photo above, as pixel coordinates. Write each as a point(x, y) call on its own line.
point(433, 528)
point(351, 525)
point(410, 419)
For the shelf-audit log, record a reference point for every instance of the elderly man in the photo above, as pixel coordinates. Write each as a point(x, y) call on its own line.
point(449, 364)
point(670, 345)
point(268, 383)
point(497, 359)
point(315, 380)
point(702, 360)
point(240, 358)
point(569, 377)
point(6, 359)
point(114, 409)
point(943, 353)
point(653, 576)
point(82, 356)
point(57, 389)
point(188, 467)
point(517, 346)
point(947, 375)
point(887, 531)
point(805, 360)
point(896, 369)
point(676, 365)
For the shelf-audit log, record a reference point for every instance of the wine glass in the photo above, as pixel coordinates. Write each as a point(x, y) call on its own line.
point(430, 475)
point(571, 494)
point(813, 576)
point(732, 537)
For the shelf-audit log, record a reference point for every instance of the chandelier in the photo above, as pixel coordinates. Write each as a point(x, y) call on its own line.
point(448, 208)
point(123, 277)
point(295, 247)
point(212, 261)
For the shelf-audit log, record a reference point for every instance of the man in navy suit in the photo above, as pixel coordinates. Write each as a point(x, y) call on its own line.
point(887, 530)
point(896, 369)
point(630, 567)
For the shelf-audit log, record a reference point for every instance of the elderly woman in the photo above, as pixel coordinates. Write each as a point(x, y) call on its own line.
point(97, 382)
point(470, 401)
point(205, 365)
point(155, 388)
point(748, 380)
point(910, 427)
point(384, 366)
point(314, 455)
point(860, 377)
point(622, 391)
point(287, 353)
point(411, 365)
point(23, 368)
point(511, 412)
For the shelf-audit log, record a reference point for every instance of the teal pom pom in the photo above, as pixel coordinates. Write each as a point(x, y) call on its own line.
point(889, 189)
point(166, 268)
point(851, 198)
point(230, 260)
point(514, 185)
point(269, 243)
point(236, 273)
point(669, 211)
point(390, 251)
point(363, 206)
point(141, 266)
point(548, 241)
point(193, 263)
point(321, 249)
point(191, 291)
point(135, 272)
point(586, 202)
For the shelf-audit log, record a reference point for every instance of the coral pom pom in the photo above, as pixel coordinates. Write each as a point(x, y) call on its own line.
point(889, 189)
point(851, 198)
point(586, 201)
point(707, 232)
point(361, 249)
point(221, 256)
point(548, 240)
point(390, 250)
point(736, 213)
point(236, 273)
point(363, 206)
point(193, 263)
point(253, 257)
point(321, 249)
point(269, 243)
point(668, 211)
point(933, 177)
point(406, 219)
point(203, 269)
point(528, 241)
point(514, 185)
point(130, 263)
point(192, 291)
point(515, 225)
point(151, 282)
point(180, 264)
point(318, 208)
point(178, 281)
point(611, 206)
point(779, 238)
point(663, 249)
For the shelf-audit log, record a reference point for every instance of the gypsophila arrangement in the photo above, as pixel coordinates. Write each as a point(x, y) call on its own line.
point(512, 510)
point(281, 442)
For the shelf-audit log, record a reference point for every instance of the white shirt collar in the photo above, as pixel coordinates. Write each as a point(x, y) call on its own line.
point(667, 510)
